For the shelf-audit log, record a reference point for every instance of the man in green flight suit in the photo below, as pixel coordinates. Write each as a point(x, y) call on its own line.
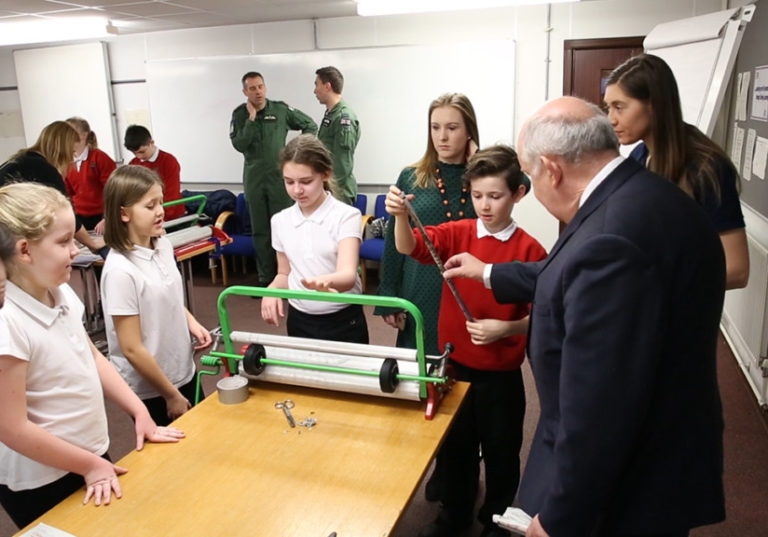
point(258, 130)
point(339, 130)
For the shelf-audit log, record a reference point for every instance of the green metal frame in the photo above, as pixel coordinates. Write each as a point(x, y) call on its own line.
point(363, 300)
point(197, 197)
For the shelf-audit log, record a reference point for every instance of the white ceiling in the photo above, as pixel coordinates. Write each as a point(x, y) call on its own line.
point(136, 16)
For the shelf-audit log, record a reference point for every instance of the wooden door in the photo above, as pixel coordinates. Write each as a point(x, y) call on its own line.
point(588, 62)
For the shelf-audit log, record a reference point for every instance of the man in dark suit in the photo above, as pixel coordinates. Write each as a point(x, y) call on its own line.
point(622, 339)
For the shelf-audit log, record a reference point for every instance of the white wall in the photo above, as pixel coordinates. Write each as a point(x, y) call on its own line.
point(11, 126)
point(526, 25)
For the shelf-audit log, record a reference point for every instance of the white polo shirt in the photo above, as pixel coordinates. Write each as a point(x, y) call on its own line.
point(147, 283)
point(64, 394)
point(312, 245)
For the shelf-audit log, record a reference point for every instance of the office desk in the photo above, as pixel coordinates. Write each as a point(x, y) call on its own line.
point(242, 471)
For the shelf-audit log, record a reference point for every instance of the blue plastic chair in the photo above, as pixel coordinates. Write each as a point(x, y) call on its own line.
point(372, 249)
point(361, 203)
point(238, 226)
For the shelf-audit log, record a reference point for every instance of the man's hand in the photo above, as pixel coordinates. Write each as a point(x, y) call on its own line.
point(535, 529)
point(251, 110)
point(464, 266)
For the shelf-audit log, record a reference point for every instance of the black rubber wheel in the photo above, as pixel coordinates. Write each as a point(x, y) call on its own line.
point(388, 380)
point(252, 359)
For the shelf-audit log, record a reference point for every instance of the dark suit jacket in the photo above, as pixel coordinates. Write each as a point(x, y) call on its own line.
point(622, 345)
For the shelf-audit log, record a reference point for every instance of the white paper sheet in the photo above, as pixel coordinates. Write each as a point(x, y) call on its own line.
point(742, 96)
point(761, 154)
point(748, 153)
point(44, 530)
point(760, 94)
point(737, 146)
point(514, 519)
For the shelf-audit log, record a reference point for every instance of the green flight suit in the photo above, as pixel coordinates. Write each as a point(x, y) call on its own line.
point(260, 141)
point(340, 132)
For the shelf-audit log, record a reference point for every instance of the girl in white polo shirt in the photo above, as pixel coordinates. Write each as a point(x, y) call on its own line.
point(149, 331)
point(317, 241)
point(53, 426)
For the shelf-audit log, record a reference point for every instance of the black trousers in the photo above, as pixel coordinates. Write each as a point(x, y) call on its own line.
point(90, 221)
point(159, 410)
point(491, 419)
point(24, 506)
point(348, 324)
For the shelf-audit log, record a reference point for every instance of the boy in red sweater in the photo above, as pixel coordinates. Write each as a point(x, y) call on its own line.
point(487, 352)
point(139, 141)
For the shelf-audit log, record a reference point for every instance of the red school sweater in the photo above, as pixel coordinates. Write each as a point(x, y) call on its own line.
point(167, 167)
point(86, 186)
point(459, 236)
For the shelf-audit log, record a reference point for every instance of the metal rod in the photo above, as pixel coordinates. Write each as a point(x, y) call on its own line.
point(436, 258)
point(330, 368)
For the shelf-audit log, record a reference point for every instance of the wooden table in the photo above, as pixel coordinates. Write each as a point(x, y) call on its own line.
point(242, 471)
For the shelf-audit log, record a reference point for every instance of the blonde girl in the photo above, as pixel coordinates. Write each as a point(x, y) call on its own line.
point(53, 426)
point(47, 162)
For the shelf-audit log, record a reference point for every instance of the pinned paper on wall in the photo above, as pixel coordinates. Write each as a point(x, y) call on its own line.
point(760, 94)
point(742, 96)
point(748, 153)
point(737, 146)
point(761, 154)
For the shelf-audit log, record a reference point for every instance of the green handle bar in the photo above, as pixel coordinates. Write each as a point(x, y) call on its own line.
point(197, 197)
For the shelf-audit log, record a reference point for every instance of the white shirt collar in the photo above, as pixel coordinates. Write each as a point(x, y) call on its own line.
point(317, 216)
point(144, 253)
point(599, 178)
point(81, 158)
point(502, 235)
point(33, 307)
point(153, 157)
point(83, 155)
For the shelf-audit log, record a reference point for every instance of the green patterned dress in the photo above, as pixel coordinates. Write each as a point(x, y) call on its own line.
point(402, 276)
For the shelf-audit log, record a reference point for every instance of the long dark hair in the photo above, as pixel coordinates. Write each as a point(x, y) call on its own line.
point(680, 152)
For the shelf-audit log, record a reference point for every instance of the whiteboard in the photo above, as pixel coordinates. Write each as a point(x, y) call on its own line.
point(390, 88)
point(56, 83)
point(701, 52)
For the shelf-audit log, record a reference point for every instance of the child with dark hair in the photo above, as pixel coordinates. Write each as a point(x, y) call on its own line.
point(138, 141)
point(488, 351)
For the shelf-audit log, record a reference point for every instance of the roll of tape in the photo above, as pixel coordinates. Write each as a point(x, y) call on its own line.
point(232, 390)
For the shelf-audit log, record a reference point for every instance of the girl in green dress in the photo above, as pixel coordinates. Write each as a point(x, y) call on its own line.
point(436, 181)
